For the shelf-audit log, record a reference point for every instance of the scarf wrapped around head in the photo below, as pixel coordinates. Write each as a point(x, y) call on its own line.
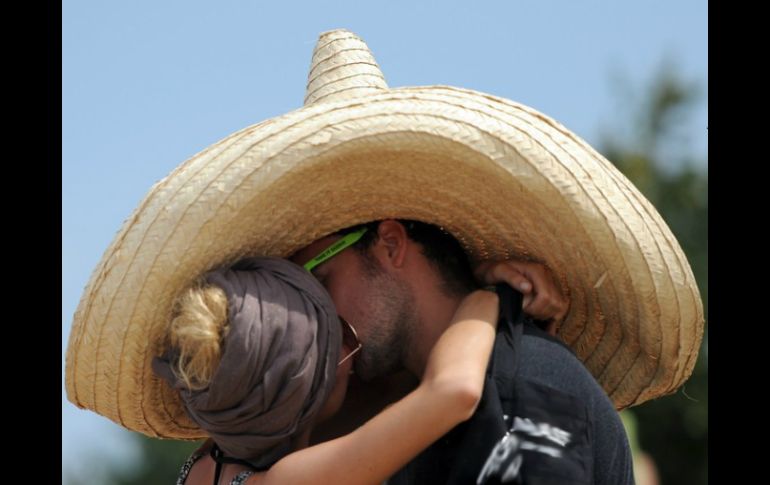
point(278, 363)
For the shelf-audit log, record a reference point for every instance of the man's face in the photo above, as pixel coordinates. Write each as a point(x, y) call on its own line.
point(378, 305)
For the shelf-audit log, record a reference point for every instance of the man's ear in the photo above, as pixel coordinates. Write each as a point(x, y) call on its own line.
point(392, 241)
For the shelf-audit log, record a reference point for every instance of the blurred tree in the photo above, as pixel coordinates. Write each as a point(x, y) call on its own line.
point(672, 429)
point(158, 463)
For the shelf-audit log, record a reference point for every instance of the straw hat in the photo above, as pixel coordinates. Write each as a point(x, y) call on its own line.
point(503, 178)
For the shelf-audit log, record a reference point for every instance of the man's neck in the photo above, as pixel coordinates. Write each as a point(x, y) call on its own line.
point(435, 310)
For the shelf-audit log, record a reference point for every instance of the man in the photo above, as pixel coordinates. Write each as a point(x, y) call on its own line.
point(404, 306)
point(399, 286)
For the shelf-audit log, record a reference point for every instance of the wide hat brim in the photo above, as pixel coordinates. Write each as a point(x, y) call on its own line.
point(505, 179)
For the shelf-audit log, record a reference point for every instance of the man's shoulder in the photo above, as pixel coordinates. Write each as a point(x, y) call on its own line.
point(552, 396)
point(550, 362)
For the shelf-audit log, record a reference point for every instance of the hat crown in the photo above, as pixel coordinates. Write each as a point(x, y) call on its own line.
point(342, 67)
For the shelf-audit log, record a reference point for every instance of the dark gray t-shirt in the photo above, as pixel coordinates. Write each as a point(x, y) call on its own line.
point(572, 432)
point(549, 363)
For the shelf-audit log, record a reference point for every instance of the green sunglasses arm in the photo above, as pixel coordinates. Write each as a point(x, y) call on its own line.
point(347, 241)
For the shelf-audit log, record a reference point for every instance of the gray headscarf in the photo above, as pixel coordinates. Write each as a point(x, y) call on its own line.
point(278, 364)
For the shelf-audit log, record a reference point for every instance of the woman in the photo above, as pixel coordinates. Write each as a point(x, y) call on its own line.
point(260, 356)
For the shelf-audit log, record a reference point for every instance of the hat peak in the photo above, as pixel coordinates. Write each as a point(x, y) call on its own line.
point(342, 67)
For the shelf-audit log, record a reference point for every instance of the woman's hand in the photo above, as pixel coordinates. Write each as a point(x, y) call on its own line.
point(543, 299)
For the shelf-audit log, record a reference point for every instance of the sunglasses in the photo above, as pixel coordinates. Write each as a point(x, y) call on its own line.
point(349, 335)
point(349, 340)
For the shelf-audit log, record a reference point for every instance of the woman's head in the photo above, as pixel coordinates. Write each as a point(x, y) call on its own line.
point(253, 350)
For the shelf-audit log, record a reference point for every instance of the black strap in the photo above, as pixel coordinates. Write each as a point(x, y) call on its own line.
point(220, 459)
point(466, 447)
point(217, 472)
point(510, 323)
point(510, 304)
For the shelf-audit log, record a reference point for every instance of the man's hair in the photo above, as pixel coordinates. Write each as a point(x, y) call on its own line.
point(440, 248)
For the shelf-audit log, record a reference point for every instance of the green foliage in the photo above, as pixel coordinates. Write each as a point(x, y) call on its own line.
point(672, 429)
point(158, 463)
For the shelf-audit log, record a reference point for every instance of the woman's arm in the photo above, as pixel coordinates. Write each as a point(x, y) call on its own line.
point(448, 394)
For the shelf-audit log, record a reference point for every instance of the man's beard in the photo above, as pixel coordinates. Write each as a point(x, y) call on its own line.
point(391, 324)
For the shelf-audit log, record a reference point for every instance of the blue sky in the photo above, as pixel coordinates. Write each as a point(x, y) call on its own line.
point(146, 85)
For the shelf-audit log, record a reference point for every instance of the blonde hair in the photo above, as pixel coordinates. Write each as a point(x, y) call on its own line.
point(197, 332)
